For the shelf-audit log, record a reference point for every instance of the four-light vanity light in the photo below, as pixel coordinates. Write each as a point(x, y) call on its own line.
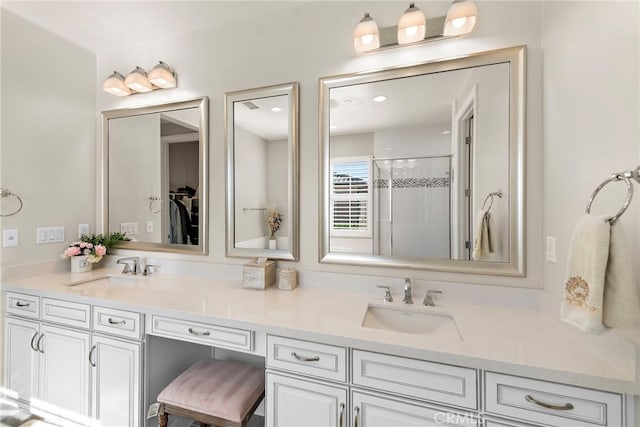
point(138, 81)
point(412, 27)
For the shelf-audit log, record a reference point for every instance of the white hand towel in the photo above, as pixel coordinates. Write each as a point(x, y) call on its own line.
point(484, 236)
point(586, 267)
point(621, 294)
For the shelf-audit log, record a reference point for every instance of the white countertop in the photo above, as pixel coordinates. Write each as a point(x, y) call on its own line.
point(514, 340)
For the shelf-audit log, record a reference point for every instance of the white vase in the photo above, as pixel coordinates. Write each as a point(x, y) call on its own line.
point(272, 244)
point(80, 264)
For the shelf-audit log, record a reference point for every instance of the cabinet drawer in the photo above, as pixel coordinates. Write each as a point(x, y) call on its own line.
point(66, 312)
point(23, 305)
point(117, 322)
point(203, 333)
point(551, 403)
point(436, 382)
point(309, 358)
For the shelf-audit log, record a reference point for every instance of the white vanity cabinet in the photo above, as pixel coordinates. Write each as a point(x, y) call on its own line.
point(60, 366)
point(305, 384)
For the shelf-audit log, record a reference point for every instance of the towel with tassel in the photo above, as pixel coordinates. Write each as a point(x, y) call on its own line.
point(484, 241)
point(599, 288)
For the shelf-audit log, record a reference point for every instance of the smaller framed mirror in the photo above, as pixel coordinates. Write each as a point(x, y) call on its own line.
point(261, 132)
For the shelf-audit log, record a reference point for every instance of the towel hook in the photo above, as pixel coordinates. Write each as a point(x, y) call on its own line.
point(489, 197)
point(6, 193)
point(614, 177)
point(154, 199)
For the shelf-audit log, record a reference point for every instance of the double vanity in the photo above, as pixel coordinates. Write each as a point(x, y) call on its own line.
point(101, 345)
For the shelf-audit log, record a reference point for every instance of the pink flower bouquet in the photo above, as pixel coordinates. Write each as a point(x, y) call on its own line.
point(94, 246)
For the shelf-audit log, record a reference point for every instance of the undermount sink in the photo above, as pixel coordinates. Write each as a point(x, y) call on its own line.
point(410, 320)
point(109, 280)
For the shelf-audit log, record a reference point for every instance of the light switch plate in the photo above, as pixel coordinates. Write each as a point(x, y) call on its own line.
point(49, 235)
point(10, 238)
point(83, 230)
point(551, 249)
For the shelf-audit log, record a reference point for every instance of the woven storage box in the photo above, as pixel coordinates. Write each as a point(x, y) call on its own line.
point(259, 275)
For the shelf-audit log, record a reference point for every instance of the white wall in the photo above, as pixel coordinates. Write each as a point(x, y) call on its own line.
point(591, 111)
point(48, 88)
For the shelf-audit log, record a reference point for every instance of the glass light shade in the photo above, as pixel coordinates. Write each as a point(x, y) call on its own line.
point(412, 26)
point(114, 84)
point(366, 35)
point(162, 76)
point(461, 18)
point(137, 80)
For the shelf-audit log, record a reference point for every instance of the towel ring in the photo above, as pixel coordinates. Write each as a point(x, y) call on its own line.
point(6, 193)
point(490, 198)
point(154, 199)
point(614, 177)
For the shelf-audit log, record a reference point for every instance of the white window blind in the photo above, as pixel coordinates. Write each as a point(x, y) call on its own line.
point(351, 196)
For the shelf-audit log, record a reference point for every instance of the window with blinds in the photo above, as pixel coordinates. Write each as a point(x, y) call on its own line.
point(351, 196)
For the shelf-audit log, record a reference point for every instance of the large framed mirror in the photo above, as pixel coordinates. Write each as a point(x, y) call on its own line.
point(423, 166)
point(261, 131)
point(154, 176)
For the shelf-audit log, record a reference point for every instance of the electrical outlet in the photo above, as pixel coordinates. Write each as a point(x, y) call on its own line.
point(10, 238)
point(149, 226)
point(551, 249)
point(83, 230)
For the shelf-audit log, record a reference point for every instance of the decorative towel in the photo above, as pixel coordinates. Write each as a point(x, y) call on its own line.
point(597, 270)
point(484, 237)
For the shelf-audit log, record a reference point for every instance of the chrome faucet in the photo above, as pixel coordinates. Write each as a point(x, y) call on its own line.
point(407, 299)
point(133, 268)
point(428, 298)
point(387, 293)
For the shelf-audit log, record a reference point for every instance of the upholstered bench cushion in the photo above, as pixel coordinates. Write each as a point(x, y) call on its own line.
point(219, 388)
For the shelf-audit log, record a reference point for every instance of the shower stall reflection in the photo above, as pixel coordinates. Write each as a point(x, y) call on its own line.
point(411, 207)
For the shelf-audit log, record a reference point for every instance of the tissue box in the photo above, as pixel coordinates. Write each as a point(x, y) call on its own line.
point(257, 275)
point(288, 280)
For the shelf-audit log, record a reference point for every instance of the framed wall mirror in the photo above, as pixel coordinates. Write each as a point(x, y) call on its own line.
point(423, 166)
point(261, 131)
point(154, 176)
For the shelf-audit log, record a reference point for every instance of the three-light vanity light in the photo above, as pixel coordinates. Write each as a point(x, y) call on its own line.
point(161, 76)
point(412, 27)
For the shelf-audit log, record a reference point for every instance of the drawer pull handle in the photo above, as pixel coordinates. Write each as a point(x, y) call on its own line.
point(116, 322)
point(22, 304)
point(33, 347)
point(565, 407)
point(356, 414)
point(199, 334)
point(341, 421)
point(305, 359)
point(40, 349)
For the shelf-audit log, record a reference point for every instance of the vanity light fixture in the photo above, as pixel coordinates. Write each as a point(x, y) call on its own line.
point(114, 84)
point(163, 76)
point(366, 36)
point(414, 28)
point(461, 18)
point(137, 80)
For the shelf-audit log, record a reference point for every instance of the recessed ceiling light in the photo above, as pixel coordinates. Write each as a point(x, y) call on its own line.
point(380, 98)
point(446, 132)
point(276, 109)
point(333, 127)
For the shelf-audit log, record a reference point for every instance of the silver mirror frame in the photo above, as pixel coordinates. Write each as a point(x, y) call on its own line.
point(292, 91)
point(516, 57)
point(203, 105)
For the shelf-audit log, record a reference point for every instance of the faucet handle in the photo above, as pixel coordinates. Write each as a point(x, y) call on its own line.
point(428, 300)
point(387, 295)
point(148, 269)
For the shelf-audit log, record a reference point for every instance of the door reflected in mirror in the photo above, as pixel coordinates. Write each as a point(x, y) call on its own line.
point(262, 175)
point(155, 176)
point(422, 165)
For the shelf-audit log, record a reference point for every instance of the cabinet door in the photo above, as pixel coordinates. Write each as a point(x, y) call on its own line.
point(294, 402)
point(21, 358)
point(64, 372)
point(377, 410)
point(116, 382)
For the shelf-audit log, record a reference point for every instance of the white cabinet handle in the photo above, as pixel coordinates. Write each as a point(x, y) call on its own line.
point(22, 304)
point(91, 362)
point(199, 334)
point(565, 407)
point(341, 421)
point(116, 322)
point(305, 359)
point(356, 413)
